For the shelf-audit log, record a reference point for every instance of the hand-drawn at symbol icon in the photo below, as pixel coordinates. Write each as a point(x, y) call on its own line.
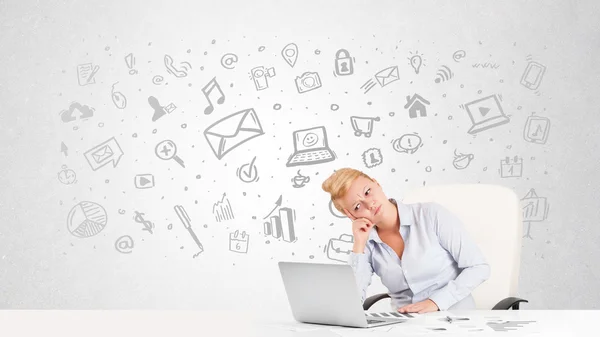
point(512, 169)
point(124, 244)
point(334, 211)
point(290, 54)
point(222, 209)
point(119, 100)
point(339, 249)
point(83, 112)
point(159, 110)
point(139, 218)
point(536, 129)
point(408, 143)
point(485, 113)
point(67, 176)
point(344, 64)
point(86, 73)
point(372, 157)
point(143, 181)
point(248, 173)
point(232, 131)
point(459, 54)
point(158, 79)
point(308, 81)
point(363, 125)
point(187, 223)
point(130, 61)
point(167, 150)
point(533, 74)
point(416, 61)
point(462, 161)
point(208, 88)
point(299, 180)
point(416, 104)
point(229, 60)
point(238, 243)
point(260, 75)
point(535, 209)
point(310, 147)
point(443, 74)
point(182, 72)
point(282, 226)
point(86, 219)
point(104, 153)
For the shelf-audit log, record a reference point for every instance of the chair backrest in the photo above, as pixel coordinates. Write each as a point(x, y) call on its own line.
point(492, 216)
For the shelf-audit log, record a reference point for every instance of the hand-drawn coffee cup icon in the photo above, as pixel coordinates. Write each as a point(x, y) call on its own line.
point(290, 54)
point(259, 75)
point(167, 150)
point(67, 176)
point(86, 219)
point(307, 82)
point(119, 100)
point(229, 60)
point(299, 180)
point(344, 64)
point(363, 125)
point(462, 161)
point(408, 143)
point(124, 244)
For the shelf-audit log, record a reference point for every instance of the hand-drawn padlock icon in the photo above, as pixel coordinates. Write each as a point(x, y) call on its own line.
point(343, 63)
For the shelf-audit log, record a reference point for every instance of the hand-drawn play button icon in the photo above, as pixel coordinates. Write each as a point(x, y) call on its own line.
point(484, 111)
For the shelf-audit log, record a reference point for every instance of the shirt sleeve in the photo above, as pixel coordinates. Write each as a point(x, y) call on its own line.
point(475, 269)
point(363, 271)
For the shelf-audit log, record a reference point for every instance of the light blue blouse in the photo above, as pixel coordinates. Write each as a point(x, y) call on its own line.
point(440, 261)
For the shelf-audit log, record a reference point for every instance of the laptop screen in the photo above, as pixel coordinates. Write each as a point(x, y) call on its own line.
point(309, 139)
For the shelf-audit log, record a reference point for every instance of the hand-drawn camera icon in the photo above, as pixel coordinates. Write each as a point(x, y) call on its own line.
point(307, 82)
point(259, 76)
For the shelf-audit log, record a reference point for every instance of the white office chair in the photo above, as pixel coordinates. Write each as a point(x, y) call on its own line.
point(492, 215)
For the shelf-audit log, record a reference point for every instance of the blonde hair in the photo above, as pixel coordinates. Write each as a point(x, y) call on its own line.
point(338, 184)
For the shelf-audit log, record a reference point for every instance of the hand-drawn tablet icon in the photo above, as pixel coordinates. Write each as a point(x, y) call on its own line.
point(86, 219)
point(533, 74)
point(232, 131)
point(290, 54)
point(104, 153)
point(536, 129)
point(310, 147)
point(485, 113)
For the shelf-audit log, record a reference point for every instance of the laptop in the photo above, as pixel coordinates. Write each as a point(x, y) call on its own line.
point(327, 294)
point(310, 147)
point(485, 113)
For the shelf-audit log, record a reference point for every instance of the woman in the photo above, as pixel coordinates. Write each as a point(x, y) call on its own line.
point(420, 251)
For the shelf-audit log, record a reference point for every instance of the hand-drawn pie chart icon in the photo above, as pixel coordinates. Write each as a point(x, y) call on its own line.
point(86, 219)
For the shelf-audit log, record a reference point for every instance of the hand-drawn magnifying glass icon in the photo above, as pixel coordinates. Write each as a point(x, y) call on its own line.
point(167, 150)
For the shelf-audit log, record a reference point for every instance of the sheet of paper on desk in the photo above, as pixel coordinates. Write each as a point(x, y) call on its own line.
point(392, 314)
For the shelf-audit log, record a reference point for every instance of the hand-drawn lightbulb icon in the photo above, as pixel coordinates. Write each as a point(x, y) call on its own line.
point(416, 61)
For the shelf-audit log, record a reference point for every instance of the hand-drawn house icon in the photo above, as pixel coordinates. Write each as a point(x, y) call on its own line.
point(416, 104)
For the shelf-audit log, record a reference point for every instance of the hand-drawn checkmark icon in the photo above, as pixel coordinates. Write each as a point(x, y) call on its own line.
point(248, 173)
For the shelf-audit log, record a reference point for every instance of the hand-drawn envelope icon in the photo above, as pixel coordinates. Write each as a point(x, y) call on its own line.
point(102, 154)
point(339, 249)
point(387, 76)
point(232, 131)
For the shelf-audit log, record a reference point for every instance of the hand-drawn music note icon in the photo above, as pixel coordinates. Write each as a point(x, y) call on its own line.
point(536, 129)
point(208, 88)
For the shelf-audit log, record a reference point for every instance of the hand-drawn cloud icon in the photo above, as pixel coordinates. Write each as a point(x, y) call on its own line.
point(104, 153)
point(310, 147)
point(84, 112)
point(339, 249)
point(86, 219)
point(232, 131)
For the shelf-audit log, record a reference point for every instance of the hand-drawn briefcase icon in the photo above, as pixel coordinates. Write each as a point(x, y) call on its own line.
point(232, 131)
point(339, 249)
point(344, 65)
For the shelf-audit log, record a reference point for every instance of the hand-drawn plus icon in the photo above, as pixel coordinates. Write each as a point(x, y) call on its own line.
point(160, 110)
point(310, 147)
point(344, 64)
point(119, 100)
point(416, 104)
point(130, 61)
point(533, 75)
point(290, 54)
point(238, 243)
point(222, 209)
point(229, 60)
point(260, 75)
point(232, 131)
point(372, 157)
point(143, 181)
point(511, 169)
point(86, 73)
point(462, 161)
point(83, 112)
point(124, 244)
point(187, 223)
point(308, 81)
point(248, 173)
point(282, 225)
point(536, 129)
point(339, 249)
point(182, 72)
point(148, 225)
point(299, 180)
point(67, 176)
point(459, 54)
point(443, 74)
point(416, 61)
point(104, 153)
point(86, 219)
point(363, 125)
point(408, 143)
point(485, 113)
point(167, 150)
point(384, 77)
point(208, 88)
point(535, 209)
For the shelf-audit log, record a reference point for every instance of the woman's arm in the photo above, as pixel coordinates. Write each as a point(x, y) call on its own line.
point(363, 270)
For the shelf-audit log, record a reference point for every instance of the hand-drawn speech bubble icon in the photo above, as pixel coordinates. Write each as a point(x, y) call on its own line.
point(104, 153)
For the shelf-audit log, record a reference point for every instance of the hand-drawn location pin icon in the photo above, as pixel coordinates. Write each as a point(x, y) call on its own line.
point(290, 54)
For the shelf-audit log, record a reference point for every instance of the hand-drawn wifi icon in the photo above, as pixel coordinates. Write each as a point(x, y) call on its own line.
point(443, 74)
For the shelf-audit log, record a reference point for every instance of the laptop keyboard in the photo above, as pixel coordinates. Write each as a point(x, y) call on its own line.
point(311, 156)
point(373, 321)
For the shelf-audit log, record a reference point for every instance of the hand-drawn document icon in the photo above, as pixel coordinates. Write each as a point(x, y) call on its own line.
point(310, 147)
point(232, 131)
point(485, 113)
point(86, 73)
point(339, 249)
point(104, 153)
point(238, 242)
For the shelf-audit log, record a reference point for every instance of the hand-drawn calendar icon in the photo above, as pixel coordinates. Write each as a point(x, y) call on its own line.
point(511, 169)
point(238, 242)
point(536, 129)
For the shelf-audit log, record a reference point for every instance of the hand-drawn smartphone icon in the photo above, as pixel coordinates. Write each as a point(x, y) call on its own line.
point(532, 77)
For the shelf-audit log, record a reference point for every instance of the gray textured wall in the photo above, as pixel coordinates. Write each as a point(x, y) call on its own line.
point(60, 61)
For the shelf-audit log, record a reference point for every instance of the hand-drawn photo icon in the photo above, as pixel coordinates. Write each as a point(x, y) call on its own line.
point(104, 153)
point(75, 111)
point(344, 64)
point(222, 209)
point(160, 110)
point(299, 180)
point(461, 161)
point(187, 223)
point(308, 81)
point(67, 176)
point(124, 244)
point(260, 75)
point(143, 181)
point(533, 74)
point(372, 157)
point(238, 242)
point(310, 147)
point(535, 209)
point(282, 226)
point(416, 105)
point(511, 168)
point(181, 71)
point(167, 150)
point(339, 249)
point(536, 129)
point(363, 125)
point(86, 219)
point(408, 143)
point(86, 73)
point(290, 54)
point(232, 131)
point(248, 173)
point(229, 60)
point(119, 100)
point(485, 113)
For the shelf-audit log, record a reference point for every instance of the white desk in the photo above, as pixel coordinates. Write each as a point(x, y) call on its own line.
point(91, 323)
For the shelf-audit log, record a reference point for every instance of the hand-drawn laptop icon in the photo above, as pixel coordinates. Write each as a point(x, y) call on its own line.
point(310, 147)
point(486, 113)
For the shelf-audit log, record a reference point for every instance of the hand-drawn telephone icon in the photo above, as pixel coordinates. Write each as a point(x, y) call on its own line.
point(259, 75)
point(185, 67)
point(344, 64)
point(532, 77)
point(536, 129)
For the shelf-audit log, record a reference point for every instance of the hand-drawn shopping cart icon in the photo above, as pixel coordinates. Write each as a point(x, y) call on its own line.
point(363, 125)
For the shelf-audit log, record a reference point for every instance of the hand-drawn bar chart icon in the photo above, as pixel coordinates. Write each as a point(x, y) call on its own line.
point(282, 226)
